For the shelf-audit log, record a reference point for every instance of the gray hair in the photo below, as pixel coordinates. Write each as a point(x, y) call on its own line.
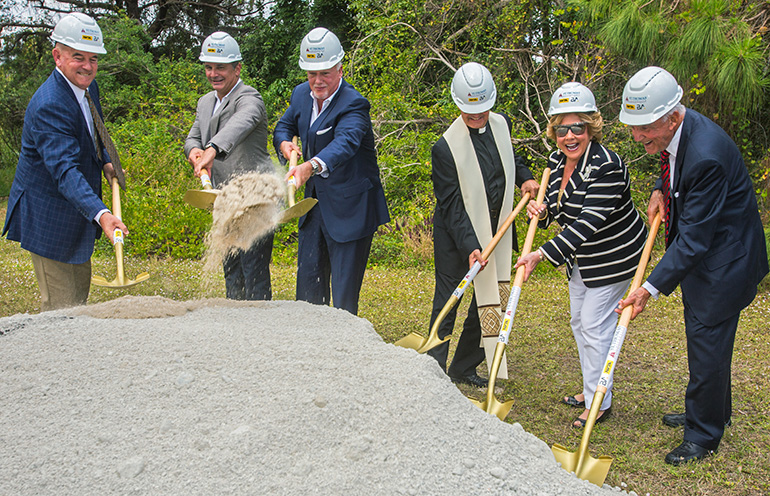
point(678, 108)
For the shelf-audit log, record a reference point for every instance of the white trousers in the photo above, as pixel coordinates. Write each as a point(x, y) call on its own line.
point(593, 324)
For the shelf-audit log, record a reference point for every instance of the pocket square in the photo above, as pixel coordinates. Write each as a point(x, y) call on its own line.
point(323, 131)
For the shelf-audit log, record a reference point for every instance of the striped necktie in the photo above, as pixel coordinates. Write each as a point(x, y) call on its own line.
point(104, 136)
point(665, 168)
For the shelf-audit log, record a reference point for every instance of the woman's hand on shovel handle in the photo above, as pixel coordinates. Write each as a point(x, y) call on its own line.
point(638, 299)
point(529, 261)
point(535, 209)
point(474, 257)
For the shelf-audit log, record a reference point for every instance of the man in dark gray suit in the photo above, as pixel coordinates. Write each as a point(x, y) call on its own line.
point(229, 137)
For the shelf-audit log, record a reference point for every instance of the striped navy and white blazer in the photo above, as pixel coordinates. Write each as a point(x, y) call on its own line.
point(601, 230)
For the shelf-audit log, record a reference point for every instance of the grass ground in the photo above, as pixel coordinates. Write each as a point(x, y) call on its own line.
point(542, 358)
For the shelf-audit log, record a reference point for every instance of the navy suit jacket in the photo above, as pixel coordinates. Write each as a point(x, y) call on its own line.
point(351, 198)
point(716, 247)
point(56, 192)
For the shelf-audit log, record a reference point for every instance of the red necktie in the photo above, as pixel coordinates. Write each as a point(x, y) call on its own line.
point(665, 168)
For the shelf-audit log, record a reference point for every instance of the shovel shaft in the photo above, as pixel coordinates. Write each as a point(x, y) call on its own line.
point(423, 345)
point(504, 227)
point(116, 199)
point(513, 301)
point(584, 464)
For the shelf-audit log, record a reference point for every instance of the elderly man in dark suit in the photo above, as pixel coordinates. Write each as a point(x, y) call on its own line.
point(229, 137)
point(715, 246)
point(55, 209)
point(332, 120)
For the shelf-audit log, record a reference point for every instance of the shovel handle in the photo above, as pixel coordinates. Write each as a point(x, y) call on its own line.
point(116, 198)
point(519, 279)
point(504, 227)
point(293, 156)
point(513, 300)
point(625, 316)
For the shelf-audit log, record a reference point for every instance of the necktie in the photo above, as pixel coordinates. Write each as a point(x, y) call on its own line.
point(665, 168)
point(104, 136)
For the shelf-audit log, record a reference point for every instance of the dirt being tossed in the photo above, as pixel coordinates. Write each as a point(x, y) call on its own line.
point(245, 211)
point(253, 398)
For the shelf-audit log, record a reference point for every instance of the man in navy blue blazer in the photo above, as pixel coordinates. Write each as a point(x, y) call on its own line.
point(332, 120)
point(54, 208)
point(715, 246)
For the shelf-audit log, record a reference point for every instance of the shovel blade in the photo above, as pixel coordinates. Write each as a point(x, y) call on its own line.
point(201, 198)
point(594, 470)
point(116, 283)
point(494, 407)
point(297, 210)
point(419, 343)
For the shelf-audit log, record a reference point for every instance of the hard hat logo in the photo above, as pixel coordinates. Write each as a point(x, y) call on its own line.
point(572, 97)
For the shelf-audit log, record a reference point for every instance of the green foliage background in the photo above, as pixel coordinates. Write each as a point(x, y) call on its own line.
point(401, 55)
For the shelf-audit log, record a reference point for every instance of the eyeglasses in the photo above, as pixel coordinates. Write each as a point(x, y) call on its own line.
point(577, 129)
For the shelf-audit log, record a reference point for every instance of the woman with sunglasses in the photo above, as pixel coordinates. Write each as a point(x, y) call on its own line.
point(601, 238)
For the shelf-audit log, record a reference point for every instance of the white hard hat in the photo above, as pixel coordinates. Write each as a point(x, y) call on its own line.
point(648, 95)
point(473, 89)
point(80, 32)
point(572, 98)
point(320, 50)
point(220, 48)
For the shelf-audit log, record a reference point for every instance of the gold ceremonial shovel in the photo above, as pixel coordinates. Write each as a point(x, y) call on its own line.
point(120, 280)
point(421, 344)
point(491, 404)
point(585, 466)
point(202, 198)
point(295, 210)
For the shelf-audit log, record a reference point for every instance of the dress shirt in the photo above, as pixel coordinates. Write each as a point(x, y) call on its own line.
point(672, 148)
point(324, 172)
point(80, 96)
point(219, 101)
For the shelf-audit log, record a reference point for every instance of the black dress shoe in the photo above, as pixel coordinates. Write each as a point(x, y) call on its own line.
point(687, 452)
point(677, 420)
point(472, 379)
point(673, 419)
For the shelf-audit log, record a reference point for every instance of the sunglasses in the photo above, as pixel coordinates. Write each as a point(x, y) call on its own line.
point(577, 129)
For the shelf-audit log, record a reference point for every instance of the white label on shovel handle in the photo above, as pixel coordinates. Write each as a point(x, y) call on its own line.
point(205, 180)
point(460, 289)
point(117, 237)
point(612, 356)
point(510, 313)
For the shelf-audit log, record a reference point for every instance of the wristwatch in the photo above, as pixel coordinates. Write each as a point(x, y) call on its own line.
point(315, 166)
point(212, 145)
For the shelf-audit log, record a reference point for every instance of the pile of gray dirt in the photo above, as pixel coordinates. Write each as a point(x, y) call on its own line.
point(144, 395)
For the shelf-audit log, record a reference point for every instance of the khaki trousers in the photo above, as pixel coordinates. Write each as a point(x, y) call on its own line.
point(61, 284)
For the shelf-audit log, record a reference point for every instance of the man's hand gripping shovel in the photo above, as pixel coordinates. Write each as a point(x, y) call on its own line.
point(584, 465)
point(296, 209)
point(421, 344)
point(491, 404)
